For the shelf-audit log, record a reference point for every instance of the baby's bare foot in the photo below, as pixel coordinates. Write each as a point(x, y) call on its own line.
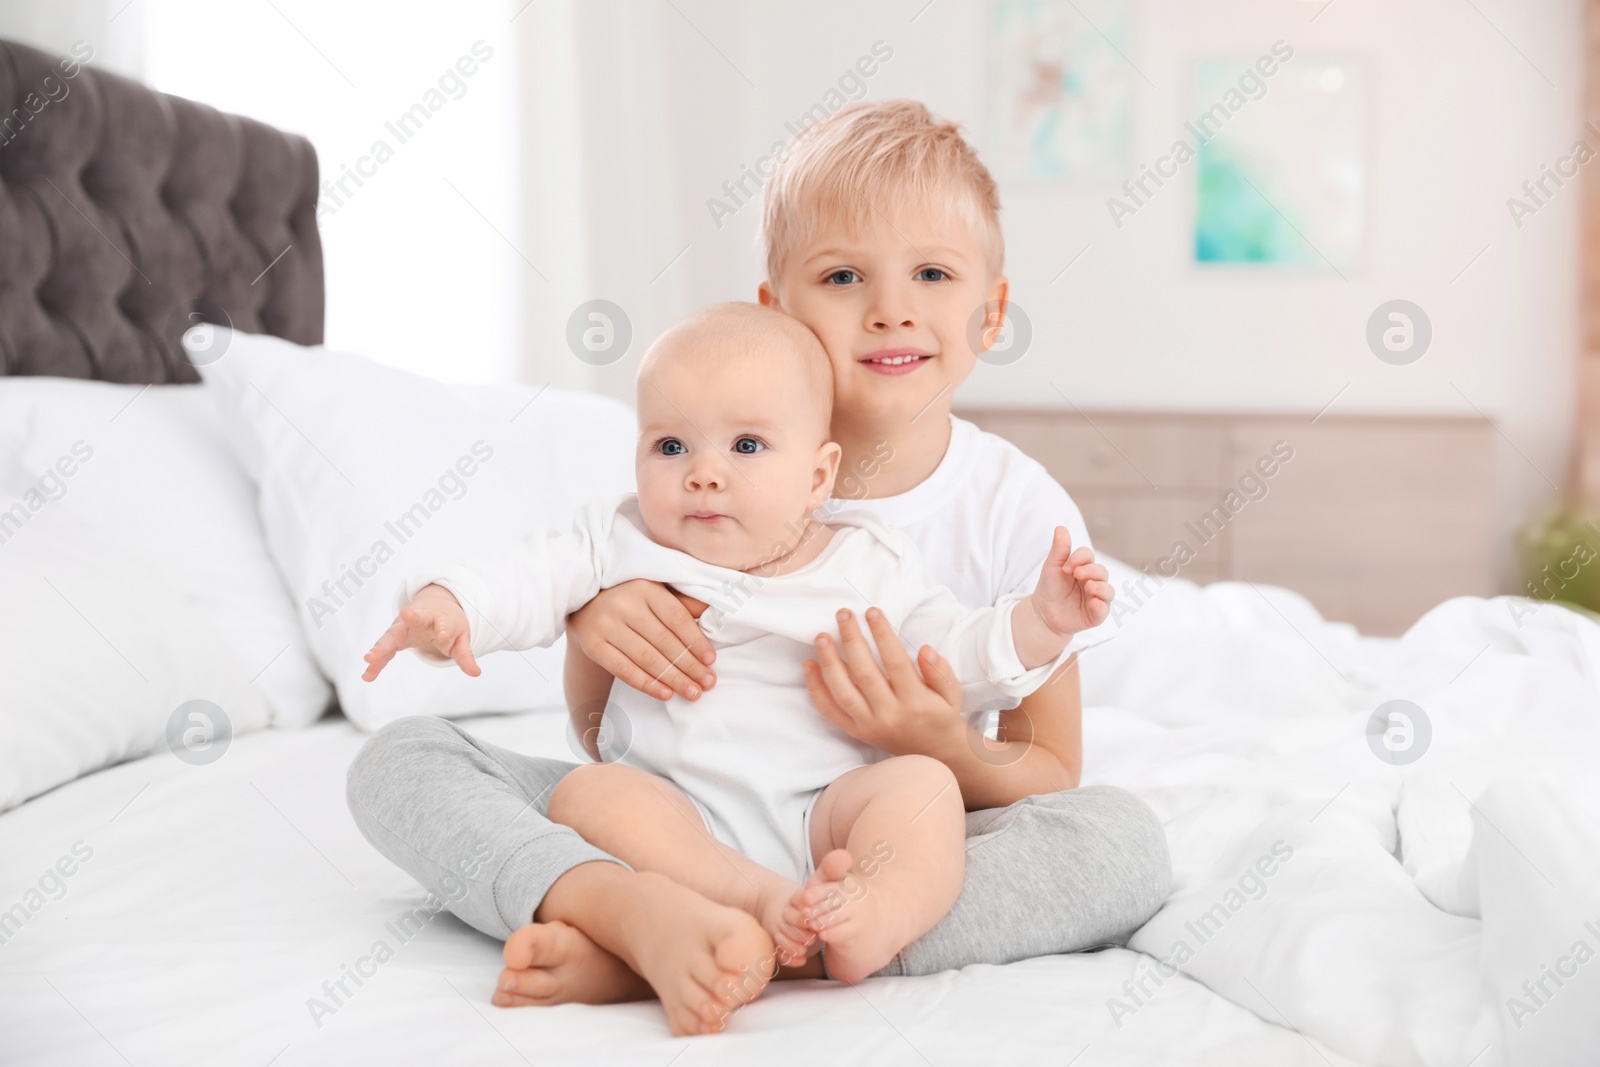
point(553, 963)
point(704, 960)
point(857, 925)
point(774, 909)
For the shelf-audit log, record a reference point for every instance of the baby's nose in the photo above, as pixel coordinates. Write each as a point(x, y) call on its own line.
point(707, 477)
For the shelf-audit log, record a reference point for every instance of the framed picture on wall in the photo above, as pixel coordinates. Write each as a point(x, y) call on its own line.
point(1280, 162)
point(1060, 89)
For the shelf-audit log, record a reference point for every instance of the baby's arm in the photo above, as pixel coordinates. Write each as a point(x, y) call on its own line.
point(1073, 595)
point(433, 624)
point(516, 597)
point(1000, 651)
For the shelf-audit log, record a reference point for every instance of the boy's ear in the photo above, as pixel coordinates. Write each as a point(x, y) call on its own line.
point(767, 296)
point(828, 457)
point(999, 300)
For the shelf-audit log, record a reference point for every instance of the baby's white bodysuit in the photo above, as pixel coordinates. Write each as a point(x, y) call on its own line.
point(752, 752)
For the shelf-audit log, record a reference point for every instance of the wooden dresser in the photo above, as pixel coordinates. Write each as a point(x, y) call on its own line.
point(1374, 519)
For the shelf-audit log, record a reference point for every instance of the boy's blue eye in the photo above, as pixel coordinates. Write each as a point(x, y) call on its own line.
point(843, 277)
point(671, 446)
point(940, 275)
point(748, 446)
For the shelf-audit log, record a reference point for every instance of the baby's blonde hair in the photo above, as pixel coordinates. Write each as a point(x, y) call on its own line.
point(872, 158)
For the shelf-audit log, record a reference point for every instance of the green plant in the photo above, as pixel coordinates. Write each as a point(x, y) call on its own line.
point(1559, 556)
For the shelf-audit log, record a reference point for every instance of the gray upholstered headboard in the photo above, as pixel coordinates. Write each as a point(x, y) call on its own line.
point(127, 215)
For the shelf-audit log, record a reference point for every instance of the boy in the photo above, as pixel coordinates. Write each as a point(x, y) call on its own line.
point(733, 462)
point(1049, 868)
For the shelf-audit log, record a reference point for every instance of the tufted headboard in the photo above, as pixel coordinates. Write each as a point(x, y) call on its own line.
point(127, 215)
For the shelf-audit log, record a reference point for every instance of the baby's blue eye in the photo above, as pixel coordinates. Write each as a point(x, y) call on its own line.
point(847, 277)
point(671, 446)
point(940, 275)
point(748, 446)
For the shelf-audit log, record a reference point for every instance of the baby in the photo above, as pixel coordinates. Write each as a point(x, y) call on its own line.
point(748, 795)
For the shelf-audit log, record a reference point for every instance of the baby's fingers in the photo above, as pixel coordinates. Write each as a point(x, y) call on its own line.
point(1099, 591)
point(377, 660)
point(416, 617)
point(392, 640)
point(461, 652)
point(1097, 611)
point(1079, 558)
point(1092, 572)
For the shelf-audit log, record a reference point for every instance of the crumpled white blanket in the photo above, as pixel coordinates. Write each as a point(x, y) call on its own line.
point(1425, 890)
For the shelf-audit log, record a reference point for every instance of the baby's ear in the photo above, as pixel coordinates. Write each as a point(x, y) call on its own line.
point(828, 456)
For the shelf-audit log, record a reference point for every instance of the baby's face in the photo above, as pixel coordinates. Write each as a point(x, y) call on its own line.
point(893, 306)
point(732, 458)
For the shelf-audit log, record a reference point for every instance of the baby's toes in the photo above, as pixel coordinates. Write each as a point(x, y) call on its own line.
point(791, 934)
point(720, 1002)
point(787, 950)
point(793, 950)
point(799, 915)
point(692, 1009)
point(724, 990)
point(684, 1021)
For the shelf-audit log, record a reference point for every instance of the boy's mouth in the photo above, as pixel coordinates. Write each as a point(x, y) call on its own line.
point(705, 516)
point(895, 360)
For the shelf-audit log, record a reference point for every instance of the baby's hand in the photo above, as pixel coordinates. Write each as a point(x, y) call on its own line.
point(432, 622)
point(1073, 593)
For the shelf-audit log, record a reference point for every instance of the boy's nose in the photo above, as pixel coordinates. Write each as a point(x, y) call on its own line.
point(891, 310)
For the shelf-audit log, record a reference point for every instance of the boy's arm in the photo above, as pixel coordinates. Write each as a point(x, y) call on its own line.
point(587, 687)
point(1039, 748)
point(646, 636)
point(1050, 720)
point(587, 684)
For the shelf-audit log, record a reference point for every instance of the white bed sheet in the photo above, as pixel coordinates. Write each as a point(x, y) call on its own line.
point(219, 899)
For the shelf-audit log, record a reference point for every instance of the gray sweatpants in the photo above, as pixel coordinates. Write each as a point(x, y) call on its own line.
point(1059, 872)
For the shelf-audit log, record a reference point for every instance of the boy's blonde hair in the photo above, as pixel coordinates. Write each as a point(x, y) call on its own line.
point(872, 158)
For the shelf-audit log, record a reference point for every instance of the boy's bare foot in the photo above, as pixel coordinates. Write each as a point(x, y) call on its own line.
point(861, 935)
point(704, 960)
point(553, 963)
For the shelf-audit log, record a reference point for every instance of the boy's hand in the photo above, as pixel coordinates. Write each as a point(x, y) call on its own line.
point(1073, 593)
point(433, 622)
point(901, 707)
point(646, 635)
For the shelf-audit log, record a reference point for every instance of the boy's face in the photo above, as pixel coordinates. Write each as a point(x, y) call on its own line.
point(731, 458)
point(893, 306)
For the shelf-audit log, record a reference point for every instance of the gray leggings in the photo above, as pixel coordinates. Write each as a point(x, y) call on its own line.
point(1059, 872)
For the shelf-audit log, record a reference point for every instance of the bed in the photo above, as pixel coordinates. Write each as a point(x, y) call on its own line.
point(1386, 851)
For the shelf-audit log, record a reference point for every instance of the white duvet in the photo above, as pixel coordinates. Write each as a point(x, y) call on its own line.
point(1328, 906)
point(1391, 910)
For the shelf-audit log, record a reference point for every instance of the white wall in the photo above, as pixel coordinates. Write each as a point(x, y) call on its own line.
point(416, 273)
point(593, 139)
point(1458, 120)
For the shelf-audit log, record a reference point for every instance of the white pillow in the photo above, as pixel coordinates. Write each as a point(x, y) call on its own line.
point(368, 474)
point(152, 464)
point(105, 660)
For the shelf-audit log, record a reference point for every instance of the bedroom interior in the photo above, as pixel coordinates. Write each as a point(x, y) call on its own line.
point(293, 301)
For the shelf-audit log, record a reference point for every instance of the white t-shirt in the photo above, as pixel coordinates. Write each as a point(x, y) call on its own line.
point(752, 752)
point(983, 519)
